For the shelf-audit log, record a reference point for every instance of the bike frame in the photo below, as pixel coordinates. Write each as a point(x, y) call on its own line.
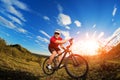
point(65, 52)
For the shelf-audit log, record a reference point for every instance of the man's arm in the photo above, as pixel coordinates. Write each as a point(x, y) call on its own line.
point(61, 45)
point(61, 41)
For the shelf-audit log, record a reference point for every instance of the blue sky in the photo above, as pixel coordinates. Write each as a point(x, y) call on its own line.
point(31, 23)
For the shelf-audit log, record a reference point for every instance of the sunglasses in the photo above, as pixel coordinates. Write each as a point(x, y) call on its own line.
point(57, 33)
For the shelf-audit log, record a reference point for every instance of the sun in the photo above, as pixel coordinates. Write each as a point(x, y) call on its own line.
point(86, 47)
point(90, 47)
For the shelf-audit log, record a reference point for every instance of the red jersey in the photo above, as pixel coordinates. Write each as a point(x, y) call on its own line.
point(52, 42)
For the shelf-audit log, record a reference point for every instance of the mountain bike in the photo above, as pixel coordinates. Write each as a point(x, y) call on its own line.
point(75, 65)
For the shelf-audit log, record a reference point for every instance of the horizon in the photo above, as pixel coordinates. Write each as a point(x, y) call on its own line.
point(32, 23)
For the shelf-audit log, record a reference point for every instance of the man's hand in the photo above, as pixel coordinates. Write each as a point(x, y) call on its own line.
point(70, 40)
point(64, 48)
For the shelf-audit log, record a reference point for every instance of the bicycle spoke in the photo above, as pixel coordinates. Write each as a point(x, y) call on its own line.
point(76, 66)
point(45, 69)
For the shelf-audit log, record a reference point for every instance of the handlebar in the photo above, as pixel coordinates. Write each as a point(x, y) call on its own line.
point(71, 42)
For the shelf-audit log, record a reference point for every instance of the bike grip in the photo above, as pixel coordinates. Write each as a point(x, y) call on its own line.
point(70, 39)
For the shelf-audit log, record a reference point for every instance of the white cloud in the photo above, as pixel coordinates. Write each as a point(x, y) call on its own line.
point(78, 23)
point(11, 5)
point(21, 30)
point(67, 27)
point(78, 32)
point(12, 10)
point(114, 11)
point(41, 45)
point(42, 39)
point(10, 25)
point(20, 5)
point(14, 19)
point(46, 18)
point(66, 34)
point(60, 8)
point(64, 20)
point(17, 3)
point(43, 32)
point(7, 23)
point(94, 26)
point(36, 41)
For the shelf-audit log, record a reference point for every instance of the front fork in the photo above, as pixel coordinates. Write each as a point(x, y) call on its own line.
point(75, 60)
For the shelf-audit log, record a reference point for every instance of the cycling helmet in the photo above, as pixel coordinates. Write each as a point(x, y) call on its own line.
point(57, 31)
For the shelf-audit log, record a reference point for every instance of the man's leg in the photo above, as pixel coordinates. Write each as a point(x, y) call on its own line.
point(60, 57)
point(52, 57)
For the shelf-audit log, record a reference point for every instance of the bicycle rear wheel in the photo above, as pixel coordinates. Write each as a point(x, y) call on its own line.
point(76, 66)
point(45, 69)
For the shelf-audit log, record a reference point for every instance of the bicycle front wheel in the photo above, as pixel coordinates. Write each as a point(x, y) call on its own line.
point(45, 69)
point(76, 66)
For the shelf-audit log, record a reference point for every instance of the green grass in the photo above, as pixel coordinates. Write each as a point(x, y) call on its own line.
point(17, 62)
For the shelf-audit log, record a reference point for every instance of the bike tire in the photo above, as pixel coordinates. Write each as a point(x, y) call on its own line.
point(44, 67)
point(76, 69)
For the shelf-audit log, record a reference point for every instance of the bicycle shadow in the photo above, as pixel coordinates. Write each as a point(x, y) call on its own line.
point(58, 76)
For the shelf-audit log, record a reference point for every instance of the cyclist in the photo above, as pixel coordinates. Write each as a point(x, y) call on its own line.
point(55, 42)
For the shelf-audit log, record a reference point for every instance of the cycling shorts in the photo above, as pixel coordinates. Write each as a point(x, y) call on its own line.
point(51, 49)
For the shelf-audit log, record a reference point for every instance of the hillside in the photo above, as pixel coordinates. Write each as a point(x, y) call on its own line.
point(105, 66)
point(17, 63)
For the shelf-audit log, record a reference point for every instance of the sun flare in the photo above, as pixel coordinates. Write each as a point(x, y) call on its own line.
point(86, 47)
